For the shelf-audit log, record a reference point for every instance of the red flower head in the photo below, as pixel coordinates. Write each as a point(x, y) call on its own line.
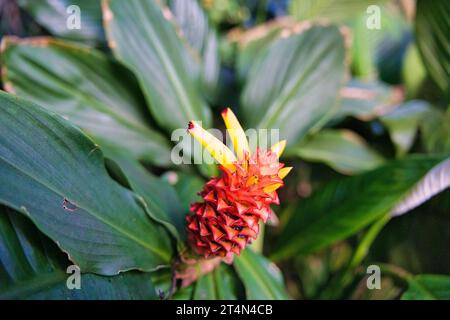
point(233, 204)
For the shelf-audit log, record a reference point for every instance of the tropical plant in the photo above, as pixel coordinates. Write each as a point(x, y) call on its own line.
point(87, 123)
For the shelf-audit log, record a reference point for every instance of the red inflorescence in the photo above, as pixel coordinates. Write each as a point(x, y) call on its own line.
point(228, 217)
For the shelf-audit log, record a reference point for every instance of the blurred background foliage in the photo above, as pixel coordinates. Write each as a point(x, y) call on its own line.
point(353, 102)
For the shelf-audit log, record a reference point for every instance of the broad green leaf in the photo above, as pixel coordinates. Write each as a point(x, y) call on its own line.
point(191, 19)
point(87, 88)
point(435, 130)
point(378, 51)
point(253, 41)
point(162, 281)
point(337, 11)
point(57, 15)
point(261, 277)
point(226, 283)
point(220, 284)
point(403, 123)
point(293, 87)
point(205, 288)
point(147, 43)
point(32, 267)
point(432, 30)
point(56, 176)
point(343, 150)
point(193, 22)
point(211, 66)
point(161, 200)
point(428, 287)
point(343, 207)
point(436, 180)
point(366, 100)
point(184, 293)
point(186, 185)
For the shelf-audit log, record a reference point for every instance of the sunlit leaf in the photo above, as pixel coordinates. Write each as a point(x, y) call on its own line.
point(84, 86)
point(147, 43)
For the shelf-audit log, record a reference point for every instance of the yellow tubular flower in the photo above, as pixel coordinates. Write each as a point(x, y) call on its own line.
point(214, 146)
point(272, 187)
point(278, 148)
point(236, 133)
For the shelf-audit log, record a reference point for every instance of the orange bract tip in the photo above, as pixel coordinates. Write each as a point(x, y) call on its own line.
point(284, 172)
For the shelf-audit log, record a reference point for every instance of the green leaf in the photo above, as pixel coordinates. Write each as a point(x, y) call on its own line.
point(226, 283)
point(185, 293)
point(211, 67)
point(379, 52)
point(435, 130)
point(261, 277)
point(253, 41)
point(56, 176)
point(432, 30)
point(193, 21)
point(147, 43)
point(337, 11)
point(220, 284)
point(205, 288)
point(186, 185)
point(293, 87)
point(403, 123)
point(86, 87)
point(56, 15)
point(32, 267)
point(343, 150)
point(428, 287)
point(343, 207)
point(161, 200)
point(414, 73)
point(435, 181)
point(367, 100)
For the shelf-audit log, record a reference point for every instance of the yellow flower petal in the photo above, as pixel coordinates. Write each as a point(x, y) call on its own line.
point(236, 133)
point(214, 146)
point(278, 147)
point(272, 187)
point(284, 172)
